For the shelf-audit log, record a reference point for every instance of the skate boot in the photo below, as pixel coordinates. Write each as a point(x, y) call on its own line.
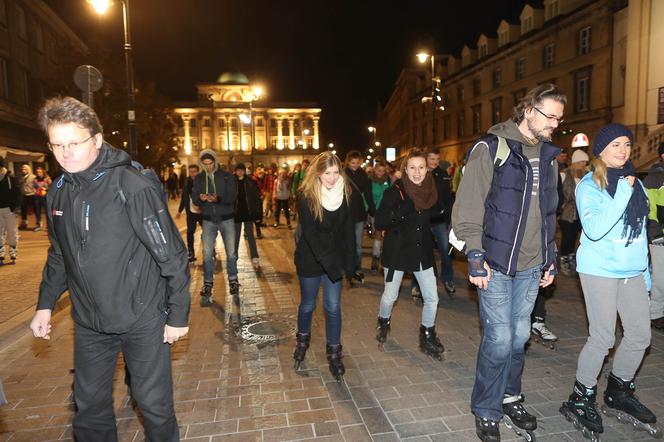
point(429, 342)
point(383, 327)
point(206, 295)
point(357, 279)
point(487, 429)
point(12, 254)
point(543, 335)
point(621, 403)
point(417, 296)
point(301, 345)
point(517, 418)
point(450, 288)
point(580, 409)
point(375, 262)
point(334, 356)
point(234, 287)
point(567, 265)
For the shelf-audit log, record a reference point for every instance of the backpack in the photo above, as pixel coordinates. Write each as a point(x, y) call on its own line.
point(149, 175)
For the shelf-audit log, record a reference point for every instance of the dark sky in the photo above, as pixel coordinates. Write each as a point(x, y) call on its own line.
point(344, 55)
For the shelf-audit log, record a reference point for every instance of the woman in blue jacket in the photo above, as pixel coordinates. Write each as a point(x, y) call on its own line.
point(612, 262)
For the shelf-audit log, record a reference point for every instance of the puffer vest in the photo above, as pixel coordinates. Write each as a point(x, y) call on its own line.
point(506, 206)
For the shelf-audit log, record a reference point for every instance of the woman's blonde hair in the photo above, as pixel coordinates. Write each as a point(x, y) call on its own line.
point(598, 166)
point(311, 185)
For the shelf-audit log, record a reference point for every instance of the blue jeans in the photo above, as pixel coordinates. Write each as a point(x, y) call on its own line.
point(249, 231)
point(331, 304)
point(227, 230)
point(505, 308)
point(441, 233)
point(427, 280)
point(359, 231)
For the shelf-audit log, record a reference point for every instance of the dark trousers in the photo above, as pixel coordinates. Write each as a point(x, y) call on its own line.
point(40, 203)
point(149, 362)
point(282, 205)
point(27, 202)
point(569, 233)
point(539, 312)
point(192, 220)
point(309, 287)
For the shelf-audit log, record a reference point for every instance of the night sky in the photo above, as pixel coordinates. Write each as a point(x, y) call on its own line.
point(344, 55)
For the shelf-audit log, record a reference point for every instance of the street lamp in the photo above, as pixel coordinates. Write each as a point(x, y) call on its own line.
point(256, 93)
point(422, 57)
point(101, 6)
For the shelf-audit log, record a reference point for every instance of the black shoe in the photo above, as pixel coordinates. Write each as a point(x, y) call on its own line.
point(487, 429)
point(302, 341)
point(234, 287)
point(334, 356)
point(429, 342)
point(206, 295)
point(513, 407)
point(383, 327)
point(620, 396)
point(581, 408)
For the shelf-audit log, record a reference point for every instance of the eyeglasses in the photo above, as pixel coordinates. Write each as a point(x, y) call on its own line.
point(73, 146)
point(550, 117)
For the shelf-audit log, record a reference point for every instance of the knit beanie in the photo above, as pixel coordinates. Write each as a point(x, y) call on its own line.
point(579, 156)
point(607, 134)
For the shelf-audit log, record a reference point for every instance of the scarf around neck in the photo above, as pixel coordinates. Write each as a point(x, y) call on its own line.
point(636, 213)
point(331, 199)
point(425, 195)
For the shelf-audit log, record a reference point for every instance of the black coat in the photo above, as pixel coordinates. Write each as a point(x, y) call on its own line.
point(249, 205)
point(408, 240)
point(326, 247)
point(186, 200)
point(361, 186)
point(444, 187)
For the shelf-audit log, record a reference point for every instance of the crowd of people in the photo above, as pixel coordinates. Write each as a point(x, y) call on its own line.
point(503, 211)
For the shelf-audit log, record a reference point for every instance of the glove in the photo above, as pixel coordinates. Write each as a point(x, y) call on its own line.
point(476, 263)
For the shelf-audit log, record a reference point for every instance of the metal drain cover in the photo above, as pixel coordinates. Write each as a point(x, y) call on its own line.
point(266, 331)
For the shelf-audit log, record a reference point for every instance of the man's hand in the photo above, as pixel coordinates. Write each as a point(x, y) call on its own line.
point(212, 198)
point(173, 334)
point(547, 278)
point(203, 197)
point(482, 281)
point(41, 324)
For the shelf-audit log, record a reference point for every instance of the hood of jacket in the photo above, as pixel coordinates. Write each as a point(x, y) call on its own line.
point(109, 157)
point(213, 154)
point(509, 130)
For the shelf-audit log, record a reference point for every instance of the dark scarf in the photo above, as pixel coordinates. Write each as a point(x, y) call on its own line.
point(636, 213)
point(425, 195)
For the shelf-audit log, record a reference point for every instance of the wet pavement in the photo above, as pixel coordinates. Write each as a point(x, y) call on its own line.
point(234, 377)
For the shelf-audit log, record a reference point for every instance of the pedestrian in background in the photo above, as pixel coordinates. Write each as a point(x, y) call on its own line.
point(570, 227)
point(404, 213)
point(41, 184)
point(192, 211)
point(654, 184)
point(612, 262)
point(324, 253)
point(10, 194)
point(380, 181)
point(281, 196)
point(247, 211)
point(129, 285)
point(27, 196)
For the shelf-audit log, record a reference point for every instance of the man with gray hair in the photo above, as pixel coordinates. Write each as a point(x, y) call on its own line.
point(116, 249)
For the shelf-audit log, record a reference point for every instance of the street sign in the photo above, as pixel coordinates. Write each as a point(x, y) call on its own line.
point(89, 80)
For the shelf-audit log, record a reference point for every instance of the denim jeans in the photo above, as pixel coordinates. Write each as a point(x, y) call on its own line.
point(427, 280)
point(309, 287)
point(505, 308)
point(249, 231)
point(359, 231)
point(227, 230)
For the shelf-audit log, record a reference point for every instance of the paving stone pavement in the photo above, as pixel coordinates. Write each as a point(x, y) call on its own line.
point(231, 389)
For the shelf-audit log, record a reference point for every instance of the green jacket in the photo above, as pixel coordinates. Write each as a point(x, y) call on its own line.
point(298, 177)
point(654, 184)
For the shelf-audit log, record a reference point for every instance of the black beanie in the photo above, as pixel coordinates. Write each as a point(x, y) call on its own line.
point(608, 133)
point(207, 156)
point(240, 166)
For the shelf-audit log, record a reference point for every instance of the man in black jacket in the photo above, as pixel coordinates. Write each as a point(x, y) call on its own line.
point(215, 192)
point(361, 203)
point(192, 210)
point(9, 202)
point(116, 249)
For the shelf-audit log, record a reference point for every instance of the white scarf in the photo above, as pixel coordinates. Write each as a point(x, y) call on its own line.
point(331, 199)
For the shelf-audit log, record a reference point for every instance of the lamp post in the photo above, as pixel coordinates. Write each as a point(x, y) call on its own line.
point(101, 6)
point(256, 94)
point(423, 57)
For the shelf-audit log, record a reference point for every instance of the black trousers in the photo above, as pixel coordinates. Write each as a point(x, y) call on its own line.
point(149, 362)
point(192, 220)
point(282, 205)
point(569, 233)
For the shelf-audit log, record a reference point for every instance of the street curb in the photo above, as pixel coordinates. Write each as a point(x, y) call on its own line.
point(19, 325)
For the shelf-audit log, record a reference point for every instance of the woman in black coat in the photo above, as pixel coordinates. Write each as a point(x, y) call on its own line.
point(404, 214)
point(247, 211)
point(324, 253)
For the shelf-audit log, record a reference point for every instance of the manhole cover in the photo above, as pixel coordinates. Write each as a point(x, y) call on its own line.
point(267, 331)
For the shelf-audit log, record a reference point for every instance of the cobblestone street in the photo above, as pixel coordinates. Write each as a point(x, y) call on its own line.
point(232, 386)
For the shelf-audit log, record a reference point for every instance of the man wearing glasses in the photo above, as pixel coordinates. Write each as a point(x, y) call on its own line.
point(123, 261)
point(505, 212)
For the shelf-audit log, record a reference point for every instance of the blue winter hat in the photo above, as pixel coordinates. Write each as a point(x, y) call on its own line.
point(607, 134)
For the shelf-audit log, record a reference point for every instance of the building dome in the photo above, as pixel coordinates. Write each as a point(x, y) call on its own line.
point(233, 78)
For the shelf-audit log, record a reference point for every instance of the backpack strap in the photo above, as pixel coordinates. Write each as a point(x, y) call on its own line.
point(502, 152)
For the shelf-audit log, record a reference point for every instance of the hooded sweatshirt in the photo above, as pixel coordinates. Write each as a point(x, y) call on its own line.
point(27, 180)
point(218, 182)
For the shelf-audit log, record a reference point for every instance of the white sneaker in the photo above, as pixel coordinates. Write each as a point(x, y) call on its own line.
point(256, 262)
point(541, 330)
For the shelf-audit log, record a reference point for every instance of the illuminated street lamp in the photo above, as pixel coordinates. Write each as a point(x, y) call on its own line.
point(101, 6)
point(331, 145)
point(256, 93)
point(423, 57)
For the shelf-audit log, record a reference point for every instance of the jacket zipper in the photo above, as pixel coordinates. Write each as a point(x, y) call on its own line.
point(84, 228)
point(518, 226)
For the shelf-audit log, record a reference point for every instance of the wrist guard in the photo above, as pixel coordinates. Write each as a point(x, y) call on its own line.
point(476, 263)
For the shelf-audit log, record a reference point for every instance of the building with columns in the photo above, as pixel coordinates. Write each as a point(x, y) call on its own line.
point(233, 118)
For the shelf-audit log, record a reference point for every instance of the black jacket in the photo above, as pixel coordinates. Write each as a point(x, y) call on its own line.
point(361, 186)
point(221, 182)
point(185, 198)
point(249, 205)
point(408, 240)
point(10, 191)
point(122, 261)
point(444, 187)
point(326, 247)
